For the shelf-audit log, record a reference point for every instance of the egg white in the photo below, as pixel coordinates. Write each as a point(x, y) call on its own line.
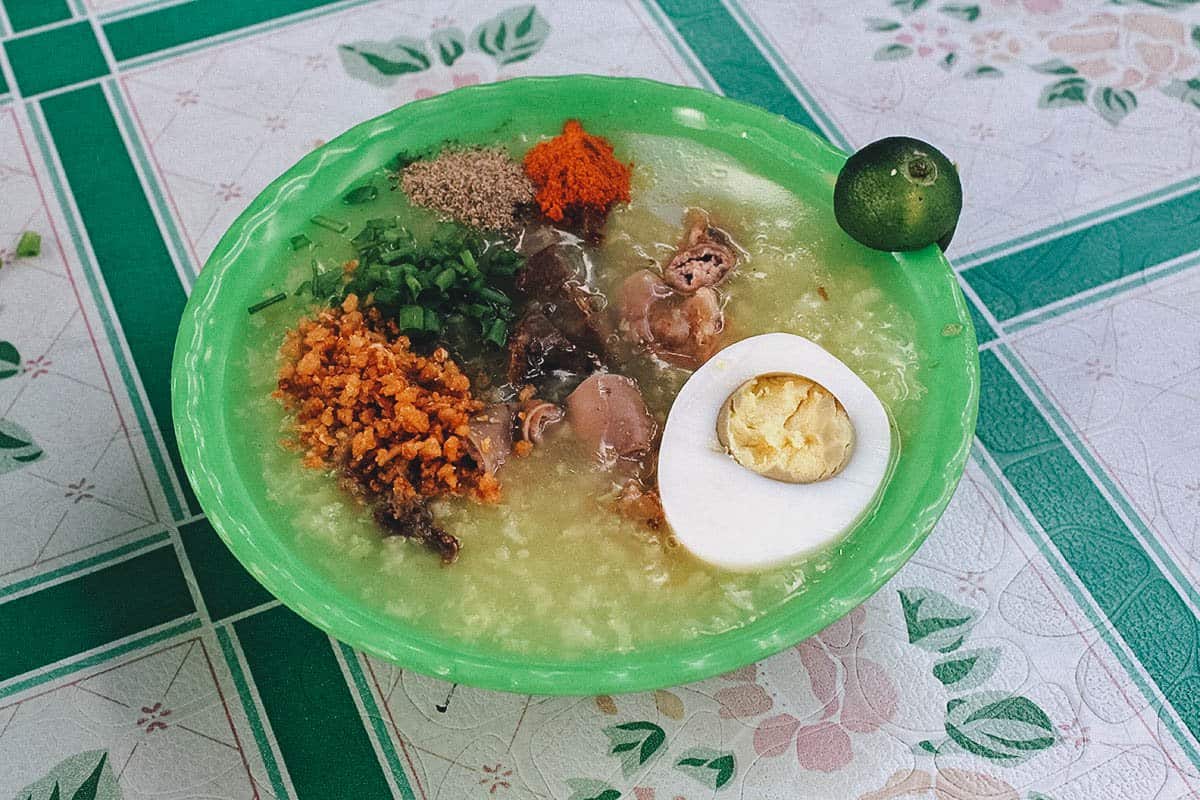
point(734, 518)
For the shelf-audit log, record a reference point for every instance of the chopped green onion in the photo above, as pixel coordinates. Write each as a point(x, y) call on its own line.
point(30, 245)
point(468, 260)
point(432, 323)
point(445, 279)
point(270, 301)
point(497, 297)
point(324, 283)
point(335, 225)
point(363, 194)
point(410, 318)
point(300, 242)
point(497, 333)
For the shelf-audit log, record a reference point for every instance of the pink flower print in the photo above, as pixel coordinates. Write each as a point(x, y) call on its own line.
point(824, 747)
point(39, 366)
point(1076, 733)
point(947, 784)
point(1098, 369)
point(496, 777)
point(229, 191)
point(80, 490)
point(1032, 6)
point(1132, 51)
point(926, 39)
point(863, 700)
point(993, 47)
point(982, 132)
point(187, 97)
point(745, 700)
point(153, 718)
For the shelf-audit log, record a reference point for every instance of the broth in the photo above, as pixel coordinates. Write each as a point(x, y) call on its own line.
point(553, 570)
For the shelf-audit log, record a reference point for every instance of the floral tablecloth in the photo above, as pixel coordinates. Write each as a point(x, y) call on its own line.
point(1042, 645)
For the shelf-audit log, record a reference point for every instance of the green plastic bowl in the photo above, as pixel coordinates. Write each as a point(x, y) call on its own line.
point(206, 388)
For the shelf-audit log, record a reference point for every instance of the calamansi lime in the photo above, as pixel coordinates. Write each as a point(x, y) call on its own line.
point(898, 194)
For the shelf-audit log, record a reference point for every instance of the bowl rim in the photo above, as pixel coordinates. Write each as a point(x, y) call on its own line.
point(637, 670)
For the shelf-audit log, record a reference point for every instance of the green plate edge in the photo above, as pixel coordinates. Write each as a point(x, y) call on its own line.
point(928, 468)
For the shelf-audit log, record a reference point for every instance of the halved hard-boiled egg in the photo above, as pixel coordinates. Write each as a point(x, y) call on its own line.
point(773, 449)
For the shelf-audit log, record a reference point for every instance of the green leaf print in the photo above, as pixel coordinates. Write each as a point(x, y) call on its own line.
point(449, 44)
point(1168, 4)
point(877, 24)
point(967, 669)
point(588, 789)
point(1185, 91)
point(1114, 104)
point(17, 447)
point(635, 742)
point(965, 13)
point(949, 61)
point(1067, 92)
point(10, 360)
point(1038, 796)
point(909, 6)
point(934, 621)
point(713, 768)
point(1055, 66)
point(1004, 728)
point(1196, 35)
point(983, 71)
point(382, 63)
point(513, 35)
point(893, 52)
point(85, 776)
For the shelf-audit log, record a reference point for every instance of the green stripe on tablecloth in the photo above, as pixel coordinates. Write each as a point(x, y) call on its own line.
point(136, 36)
point(3, 84)
point(983, 331)
point(1089, 298)
point(680, 46)
point(225, 585)
point(101, 657)
point(1044, 273)
point(80, 566)
point(128, 245)
point(307, 700)
point(251, 708)
point(92, 610)
point(732, 59)
point(780, 64)
point(55, 58)
point(1083, 220)
point(26, 14)
point(89, 271)
point(182, 254)
point(135, 9)
point(1070, 582)
point(1126, 584)
point(1102, 477)
point(377, 724)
